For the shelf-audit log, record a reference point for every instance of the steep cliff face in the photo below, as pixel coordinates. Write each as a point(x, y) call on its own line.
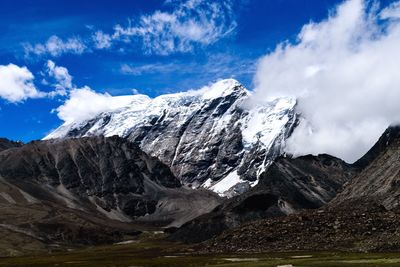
point(207, 137)
point(379, 181)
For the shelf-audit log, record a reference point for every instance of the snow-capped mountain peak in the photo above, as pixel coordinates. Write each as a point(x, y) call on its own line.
point(206, 136)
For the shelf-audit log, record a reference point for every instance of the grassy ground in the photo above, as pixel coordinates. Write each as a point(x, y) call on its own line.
point(150, 251)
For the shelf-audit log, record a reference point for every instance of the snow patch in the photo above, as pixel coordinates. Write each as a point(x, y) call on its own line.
point(265, 123)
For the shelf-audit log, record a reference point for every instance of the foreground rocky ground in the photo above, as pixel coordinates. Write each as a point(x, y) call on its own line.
point(351, 227)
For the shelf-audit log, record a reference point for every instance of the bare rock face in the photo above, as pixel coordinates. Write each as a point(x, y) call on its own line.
point(209, 138)
point(289, 185)
point(90, 190)
point(109, 172)
point(6, 144)
point(109, 176)
point(380, 178)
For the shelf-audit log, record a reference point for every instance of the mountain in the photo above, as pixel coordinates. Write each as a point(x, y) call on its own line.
point(379, 180)
point(109, 173)
point(89, 191)
point(288, 186)
point(208, 137)
point(353, 227)
point(6, 144)
point(363, 216)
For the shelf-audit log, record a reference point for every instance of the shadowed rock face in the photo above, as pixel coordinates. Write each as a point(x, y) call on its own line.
point(111, 176)
point(6, 144)
point(289, 185)
point(86, 190)
point(108, 172)
point(380, 178)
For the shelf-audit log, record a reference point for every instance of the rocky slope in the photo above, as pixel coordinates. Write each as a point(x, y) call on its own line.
point(87, 190)
point(380, 179)
point(207, 137)
point(364, 216)
point(109, 173)
point(289, 185)
point(356, 226)
point(6, 144)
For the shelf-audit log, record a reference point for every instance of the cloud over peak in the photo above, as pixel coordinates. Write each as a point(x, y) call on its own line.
point(344, 72)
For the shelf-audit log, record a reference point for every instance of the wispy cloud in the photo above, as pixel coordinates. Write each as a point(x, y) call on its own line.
point(190, 24)
point(222, 65)
point(55, 47)
point(137, 70)
point(101, 40)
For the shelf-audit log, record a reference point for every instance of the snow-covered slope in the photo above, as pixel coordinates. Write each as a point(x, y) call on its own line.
point(206, 136)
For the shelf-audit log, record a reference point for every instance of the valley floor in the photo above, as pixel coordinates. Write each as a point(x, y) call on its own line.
point(154, 251)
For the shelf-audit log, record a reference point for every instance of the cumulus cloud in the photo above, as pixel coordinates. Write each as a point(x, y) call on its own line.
point(61, 76)
point(344, 71)
point(84, 103)
point(16, 84)
point(55, 47)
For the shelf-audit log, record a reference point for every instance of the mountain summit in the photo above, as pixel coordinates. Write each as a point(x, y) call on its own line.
point(207, 137)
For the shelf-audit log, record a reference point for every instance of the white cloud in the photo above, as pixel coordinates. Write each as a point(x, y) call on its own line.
point(101, 40)
point(214, 67)
point(345, 73)
point(391, 12)
point(84, 103)
point(55, 46)
point(16, 84)
point(192, 22)
point(137, 70)
point(63, 80)
point(189, 24)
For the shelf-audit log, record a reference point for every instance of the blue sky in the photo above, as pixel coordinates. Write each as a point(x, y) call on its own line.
point(118, 47)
